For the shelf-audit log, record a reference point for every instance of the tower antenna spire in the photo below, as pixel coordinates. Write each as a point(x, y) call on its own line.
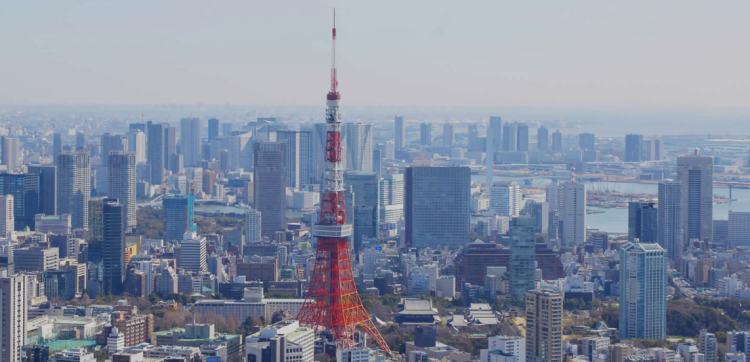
point(334, 81)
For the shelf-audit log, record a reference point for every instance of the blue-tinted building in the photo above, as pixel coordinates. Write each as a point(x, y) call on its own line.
point(25, 191)
point(437, 206)
point(113, 246)
point(643, 291)
point(522, 257)
point(365, 214)
point(642, 222)
point(178, 216)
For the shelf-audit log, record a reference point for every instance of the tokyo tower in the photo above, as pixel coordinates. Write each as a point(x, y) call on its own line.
point(332, 301)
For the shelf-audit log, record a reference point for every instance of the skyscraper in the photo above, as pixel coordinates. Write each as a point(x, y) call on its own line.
point(57, 146)
point(13, 310)
point(122, 184)
point(544, 309)
point(213, 128)
point(269, 185)
point(642, 222)
point(587, 141)
point(365, 212)
point(253, 222)
point(448, 135)
point(74, 187)
point(669, 220)
point(113, 247)
point(178, 216)
point(190, 140)
point(399, 133)
point(695, 174)
point(437, 206)
point(557, 145)
point(47, 187)
point(739, 228)
point(7, 220)
point(170, 145)
point(391, 201)
point(510, 134)
point(11, 153)
point(425, 134)
point(643, 297)
point(573, 213)
point(494, 134)
point(505, 198)
point(293, 155)
point(634, 148)
point(155, 152)
point(522, 257)
point(542, 139)
point(522, 137)
point(358, 146)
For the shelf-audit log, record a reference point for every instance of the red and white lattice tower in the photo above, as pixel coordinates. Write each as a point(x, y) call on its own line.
point(332, 301)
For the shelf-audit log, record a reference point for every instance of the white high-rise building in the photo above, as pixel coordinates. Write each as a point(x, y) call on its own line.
point(7, 220)
point(10, 152)
point(13, 309)
point(643, 291)
point(358, 146)
point(505, 348)
point(286, 339)
point(391, 200)
point(115, 341)
point(192, 253)
point(190, 140)
point(573, 213)
point(708, 345)
point(505, 198)
point(137, 145)
point(122, 184)
point(253, 222)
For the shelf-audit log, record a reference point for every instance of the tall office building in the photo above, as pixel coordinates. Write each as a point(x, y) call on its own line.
point(10, 153)
point(112, 143)
point(25, 190)
point(505, 198)
point(642, 222)
point(425, 134)
point(522, 137)
point(643, 296)
point(47, 175)
point(544, 312)
point(306, 158)
point(510, 137)
point(358, 146)
point(170, 146)
point(365, 212)
point(695, 174)
point(122, 184)
point(269, 185)
point(437, 206)
point(391, 201)
point(80, 141)
point(192, 254)
point(739, 228)
point(399, 133)
point(556, 145)
point(539, 213)
point(14, 312)
point(572, 211)
point(495, 134)
point(448, 136)
point(587, 141)
point(155, 152)
point(178, 216)
point(293, 155)
point(190, 141)
point(522, 257)
point(669, 220)
point(7, 220)
point(253, 222)
point(74, 187)
point(213, 129)
point(634, 148)
point(137, 141)
point(542, 139)
point(113, 247)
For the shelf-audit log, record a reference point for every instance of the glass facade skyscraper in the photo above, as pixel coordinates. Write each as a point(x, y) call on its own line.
point(178, 216)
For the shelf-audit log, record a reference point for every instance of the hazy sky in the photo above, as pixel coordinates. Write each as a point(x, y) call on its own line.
point(598, 53)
